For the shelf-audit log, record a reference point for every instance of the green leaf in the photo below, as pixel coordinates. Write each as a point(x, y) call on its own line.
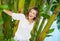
point(1, 21)
point(12, 39)
point(4, 6)
point(50, 31)
point(53, 7)
point(32, 34)
point(48, 1)
point(1, 34)
point(45, 16)
point(58, 25)
point(58, 21)
point(48, 35)
point(1, 29)
point(58, 1)
point(1, 9)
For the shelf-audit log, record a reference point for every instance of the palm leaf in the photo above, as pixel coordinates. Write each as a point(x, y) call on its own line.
point(52, 18)
point(50, 31)
point(48, 35)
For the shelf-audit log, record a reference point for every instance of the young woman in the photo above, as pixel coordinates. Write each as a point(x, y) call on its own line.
point(25, 25)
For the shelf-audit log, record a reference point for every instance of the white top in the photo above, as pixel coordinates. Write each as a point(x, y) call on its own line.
point(24, 28)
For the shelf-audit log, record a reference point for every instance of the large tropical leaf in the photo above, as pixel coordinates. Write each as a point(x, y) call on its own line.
point(4, 6)
point(48, 1)
point(45, 16)
point(50, 31)
point(48, 35)
point(54, 5)
point(58, 1)
point(58, 21)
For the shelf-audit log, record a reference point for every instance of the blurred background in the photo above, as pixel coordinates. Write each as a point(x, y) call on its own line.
point(48, 21)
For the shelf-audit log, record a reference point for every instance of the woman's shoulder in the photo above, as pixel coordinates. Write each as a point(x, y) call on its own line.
point(21, 14)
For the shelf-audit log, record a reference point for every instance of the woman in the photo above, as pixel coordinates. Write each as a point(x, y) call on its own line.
point(25, 25)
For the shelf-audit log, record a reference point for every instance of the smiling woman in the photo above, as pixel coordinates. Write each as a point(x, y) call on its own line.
point(25, 25)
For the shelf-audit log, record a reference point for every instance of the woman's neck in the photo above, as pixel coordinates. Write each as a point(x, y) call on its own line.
point(30, 20)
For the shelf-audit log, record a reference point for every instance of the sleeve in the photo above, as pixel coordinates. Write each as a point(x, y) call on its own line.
point(18, 16)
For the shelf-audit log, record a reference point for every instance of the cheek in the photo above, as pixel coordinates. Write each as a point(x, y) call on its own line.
point(34, 15)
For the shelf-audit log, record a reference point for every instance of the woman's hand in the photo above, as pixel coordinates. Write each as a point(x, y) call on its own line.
point(5, 8)
point(7, 12)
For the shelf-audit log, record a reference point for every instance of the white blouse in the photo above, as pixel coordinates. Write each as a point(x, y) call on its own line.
point(24, 28)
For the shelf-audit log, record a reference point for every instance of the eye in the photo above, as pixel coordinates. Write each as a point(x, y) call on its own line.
point(34, 13)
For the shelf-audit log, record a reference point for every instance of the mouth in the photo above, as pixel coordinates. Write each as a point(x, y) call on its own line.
point(30, 16)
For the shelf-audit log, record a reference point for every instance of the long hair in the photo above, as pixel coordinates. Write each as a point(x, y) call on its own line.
point(36, 9)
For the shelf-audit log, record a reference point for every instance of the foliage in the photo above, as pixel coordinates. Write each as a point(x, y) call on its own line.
point(50, 31)
point(58, 21)
point(7, 26)
point(1, 21)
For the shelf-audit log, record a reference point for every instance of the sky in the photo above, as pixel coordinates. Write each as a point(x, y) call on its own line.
point(55, 35)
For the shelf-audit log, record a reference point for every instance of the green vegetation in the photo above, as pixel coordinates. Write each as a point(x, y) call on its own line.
point(9, 27)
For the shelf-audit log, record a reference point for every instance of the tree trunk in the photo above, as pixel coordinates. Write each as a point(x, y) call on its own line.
point(46, 28)
point(20, 10)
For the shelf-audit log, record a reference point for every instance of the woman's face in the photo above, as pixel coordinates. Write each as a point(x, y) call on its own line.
point(32, 14)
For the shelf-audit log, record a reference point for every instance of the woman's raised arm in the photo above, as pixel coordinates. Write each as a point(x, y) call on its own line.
point(8, 12)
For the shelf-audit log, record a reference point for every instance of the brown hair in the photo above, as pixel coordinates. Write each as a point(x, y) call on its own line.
point(35, 8)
